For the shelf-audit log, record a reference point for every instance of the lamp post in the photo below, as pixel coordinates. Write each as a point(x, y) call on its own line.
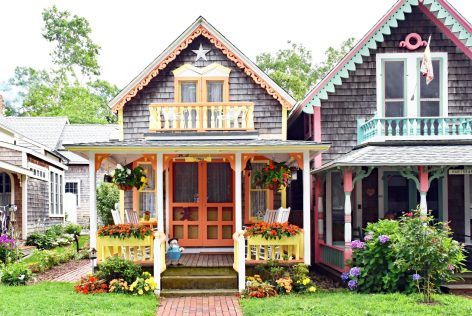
point(93, 257)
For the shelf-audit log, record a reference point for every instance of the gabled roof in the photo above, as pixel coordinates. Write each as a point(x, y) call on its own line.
point(455, 26)
point(201, 28)
point(44, 130)
point(88, 133)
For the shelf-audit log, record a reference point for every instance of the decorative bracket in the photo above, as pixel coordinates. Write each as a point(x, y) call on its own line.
point(411, 174)
point(436, 173)
point(361, 174)
point(417, 42)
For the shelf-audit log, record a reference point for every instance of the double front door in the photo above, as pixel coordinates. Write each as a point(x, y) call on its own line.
point(202, 203)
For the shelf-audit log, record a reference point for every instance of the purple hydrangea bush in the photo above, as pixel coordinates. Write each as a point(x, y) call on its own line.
point(7, 249)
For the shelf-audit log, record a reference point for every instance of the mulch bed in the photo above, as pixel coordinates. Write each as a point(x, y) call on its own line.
point(324, 282)
point(59, 270)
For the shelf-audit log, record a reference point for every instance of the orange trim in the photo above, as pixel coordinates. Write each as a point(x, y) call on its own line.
point(145, 158)
point(247, 192)
point(99, 159)
point(200, 30)
point(168, 160)
point(299, 158)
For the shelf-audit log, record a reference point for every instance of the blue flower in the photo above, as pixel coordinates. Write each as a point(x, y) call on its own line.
point(352, 284)
point(355, 272)
point(357, 244)
point(345, 277)
point(416, 277)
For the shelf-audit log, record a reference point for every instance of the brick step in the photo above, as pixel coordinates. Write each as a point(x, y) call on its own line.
point(458, 289)
point(199, 282)
point(198, 292)
point(184, 270)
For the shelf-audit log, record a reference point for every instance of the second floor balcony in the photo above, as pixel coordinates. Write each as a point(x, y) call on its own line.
point(414, 128)
point(201, 117)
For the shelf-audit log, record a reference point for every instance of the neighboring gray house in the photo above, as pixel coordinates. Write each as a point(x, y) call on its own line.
point(54, 133)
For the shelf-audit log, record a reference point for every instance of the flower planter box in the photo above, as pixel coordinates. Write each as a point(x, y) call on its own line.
point(132, 248)
point(260, 248)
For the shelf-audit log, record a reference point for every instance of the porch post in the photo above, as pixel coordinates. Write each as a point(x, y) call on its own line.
point(24, 206)
point(238, 211)
point(160, 191)
point(347, 179)
point(92, 201)
point(424, 186)
point(306, 207)
point(319, 216)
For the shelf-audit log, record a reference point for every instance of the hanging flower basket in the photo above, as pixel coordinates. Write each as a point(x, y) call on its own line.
point(126, 179)
point(273, 176)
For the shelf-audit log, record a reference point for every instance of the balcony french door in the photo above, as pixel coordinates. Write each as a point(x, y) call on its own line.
point(201, 204)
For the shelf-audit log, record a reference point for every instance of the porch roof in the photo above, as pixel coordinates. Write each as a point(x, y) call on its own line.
point(203, 145)
point(14, 168)
point(404, 154)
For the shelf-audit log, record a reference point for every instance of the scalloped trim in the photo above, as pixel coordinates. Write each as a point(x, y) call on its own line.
point(201, 30)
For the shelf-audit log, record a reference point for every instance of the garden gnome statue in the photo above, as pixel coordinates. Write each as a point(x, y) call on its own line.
point(175, 251)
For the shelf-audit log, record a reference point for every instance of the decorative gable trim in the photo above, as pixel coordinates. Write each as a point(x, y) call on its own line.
point(442, 14)
point(213, 70)
point(129, 92)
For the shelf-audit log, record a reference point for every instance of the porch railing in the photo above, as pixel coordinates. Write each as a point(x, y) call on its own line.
point(159, 258)
point(391, 128)
point(134, 249)
point(288, 249)
point(332, 257)
point(205, 116)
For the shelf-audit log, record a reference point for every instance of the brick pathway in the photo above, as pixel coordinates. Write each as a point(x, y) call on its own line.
point(200, 306)
point(76, 273)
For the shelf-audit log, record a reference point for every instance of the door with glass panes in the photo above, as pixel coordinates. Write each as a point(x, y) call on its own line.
point(202, 203)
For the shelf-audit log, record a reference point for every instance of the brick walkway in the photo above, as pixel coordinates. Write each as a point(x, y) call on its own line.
point(76, 273)
point(200, 306)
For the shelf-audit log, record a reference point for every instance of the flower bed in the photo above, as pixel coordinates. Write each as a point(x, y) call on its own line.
point(273, 230)
point(123, 231)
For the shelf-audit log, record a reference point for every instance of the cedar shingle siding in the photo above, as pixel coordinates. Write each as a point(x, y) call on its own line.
point(11, 156)
point(38, 206)
point(356, 97)
point(267, 110)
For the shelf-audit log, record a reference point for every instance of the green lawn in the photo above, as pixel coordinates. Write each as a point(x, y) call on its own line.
point(346, 304)
point(54, 298)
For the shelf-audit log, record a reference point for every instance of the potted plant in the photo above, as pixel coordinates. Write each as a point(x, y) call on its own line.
point(147, 215)
point(126, 178)
point(273, 176)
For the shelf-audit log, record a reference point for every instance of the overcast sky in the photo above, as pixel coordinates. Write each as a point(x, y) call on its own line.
point(133, 33)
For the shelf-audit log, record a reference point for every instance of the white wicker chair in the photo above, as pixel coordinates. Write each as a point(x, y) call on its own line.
point(116, 217)
point(131, 217)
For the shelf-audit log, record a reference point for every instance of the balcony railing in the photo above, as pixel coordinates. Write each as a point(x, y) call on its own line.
point(223, 116)
point(414, 128)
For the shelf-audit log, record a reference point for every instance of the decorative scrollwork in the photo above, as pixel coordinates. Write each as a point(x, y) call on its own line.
point(201, 30)
point(417, 42)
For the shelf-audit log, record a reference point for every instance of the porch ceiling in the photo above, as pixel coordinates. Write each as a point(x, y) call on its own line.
point(404, 155)
point(201, 146)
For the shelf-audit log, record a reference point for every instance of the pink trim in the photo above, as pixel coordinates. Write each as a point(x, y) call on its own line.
point(317, 133)
point(347, 218)
point(423, 177)
point(418, 42)
point(467, 51)
point(316, 218)
point(347, 179)
point(374, 29)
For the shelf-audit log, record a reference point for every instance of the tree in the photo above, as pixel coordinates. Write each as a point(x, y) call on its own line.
point(107, 197)
point(292, 67)
point(71, 87)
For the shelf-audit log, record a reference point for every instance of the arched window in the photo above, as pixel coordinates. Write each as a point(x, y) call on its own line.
point(5, 189)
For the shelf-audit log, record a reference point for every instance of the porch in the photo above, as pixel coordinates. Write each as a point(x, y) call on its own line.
point(203, 194)
point(383, 181)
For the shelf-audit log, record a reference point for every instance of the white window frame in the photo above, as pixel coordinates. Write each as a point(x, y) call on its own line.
point(37, 170)
point(412, 83)
point(53, 207)
point(78, 188)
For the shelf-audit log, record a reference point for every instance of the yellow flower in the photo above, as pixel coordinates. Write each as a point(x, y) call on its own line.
point(306, 281)
point(140, 292)
point(146, 288)
point(312, 289)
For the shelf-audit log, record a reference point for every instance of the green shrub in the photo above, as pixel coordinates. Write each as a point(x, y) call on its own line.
point(118, 268)
point(15, 274)
point(56, 235)
point(47, 259)
point(107, 197)
point(41, 241)
point(414, 252)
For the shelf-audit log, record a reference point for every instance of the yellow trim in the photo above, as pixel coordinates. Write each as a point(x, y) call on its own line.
point(201, 70)
point(205, 81)
point(283, 197)
point(178, 84)
point(120, 124)
point(284, 123)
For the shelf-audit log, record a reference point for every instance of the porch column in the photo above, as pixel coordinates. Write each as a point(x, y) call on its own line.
point(306, 207)
point(319, 216)
point(160, 191)
point(92, 201)
point(424, 186)
point(347, 180)
point(238, 210)
point(24, 206)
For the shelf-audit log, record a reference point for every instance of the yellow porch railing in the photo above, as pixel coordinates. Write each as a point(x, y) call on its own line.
point(288, 249)
point(203, 116)
point(134, 249)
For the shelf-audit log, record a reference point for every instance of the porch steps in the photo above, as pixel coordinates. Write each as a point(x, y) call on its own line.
point(460, 287)
point(202, 281)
